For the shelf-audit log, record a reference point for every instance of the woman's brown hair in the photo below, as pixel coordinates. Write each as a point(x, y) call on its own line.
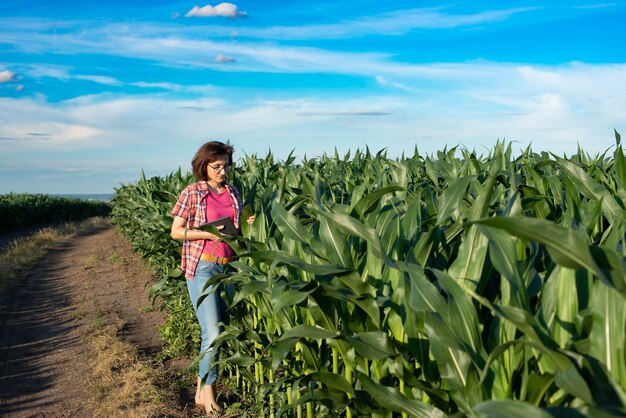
point(208, 153)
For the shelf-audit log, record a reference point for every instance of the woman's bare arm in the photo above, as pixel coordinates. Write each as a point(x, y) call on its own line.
point(180, 225)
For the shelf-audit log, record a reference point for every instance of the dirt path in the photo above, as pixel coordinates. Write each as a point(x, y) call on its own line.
point(44, 362)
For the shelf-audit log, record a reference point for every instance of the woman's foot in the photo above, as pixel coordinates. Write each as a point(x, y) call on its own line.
point(212, 411)
point(211, 406)
point(206, 398)
point(198, 393)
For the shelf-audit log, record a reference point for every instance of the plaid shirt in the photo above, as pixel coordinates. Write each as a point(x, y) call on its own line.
point(191, 205)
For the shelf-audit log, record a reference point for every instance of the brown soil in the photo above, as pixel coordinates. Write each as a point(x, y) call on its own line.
point(44, 358)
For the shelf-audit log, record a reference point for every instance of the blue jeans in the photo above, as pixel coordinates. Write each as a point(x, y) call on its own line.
point(208, 314)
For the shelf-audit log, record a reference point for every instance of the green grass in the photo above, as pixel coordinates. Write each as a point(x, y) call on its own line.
point(24, 253)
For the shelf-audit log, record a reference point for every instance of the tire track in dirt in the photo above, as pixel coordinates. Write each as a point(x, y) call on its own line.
point(44, 362)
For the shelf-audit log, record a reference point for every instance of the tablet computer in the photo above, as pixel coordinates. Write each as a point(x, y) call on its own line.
point(229, 226)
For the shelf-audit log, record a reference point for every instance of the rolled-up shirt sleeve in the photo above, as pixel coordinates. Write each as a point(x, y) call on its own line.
point(182, 205)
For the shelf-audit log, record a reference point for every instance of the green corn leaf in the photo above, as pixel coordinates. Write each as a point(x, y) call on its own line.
point(470, 260)
point(391, 399)
point(334, 243)
point(357, 194)
point(374, 345)
point(248, 289)
point(241, 360)
point(411, 222)
point(354, 227)
point(567, 247)
point(503, 253)
point(334, 399)
point(589, 412)
point(228, 334)
point(333, 381)
point(593, 190)
point(289, 298)
point(451, 197)
point(566, 305)
point(312, 361)
point(164, 196)
point(538, 385)
point(424, 246)
point(480, 208)
point(461, 314)
point(281, 257)
point(608, 340)
point(280, 350)
point(423, 295)
point(511, 409)
point(323, 311)
point(209, 228)
point(612, 265)
point(353, 282)
point(572, 382)
point(501, 349)
point(620, 167)
point(453, 361)
point(244, 226)
point(369, 306)
point(367, 203)
point(503, 256)
point(307, 331)
point(289, 225)
point(431, 172)
point(529, 325)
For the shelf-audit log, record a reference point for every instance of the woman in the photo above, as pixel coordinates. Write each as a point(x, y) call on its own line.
point(209, 199)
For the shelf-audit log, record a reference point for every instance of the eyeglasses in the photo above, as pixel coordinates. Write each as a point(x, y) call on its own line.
point(218, 168)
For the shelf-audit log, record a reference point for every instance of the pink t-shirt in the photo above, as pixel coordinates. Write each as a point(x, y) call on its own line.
point(218, 205)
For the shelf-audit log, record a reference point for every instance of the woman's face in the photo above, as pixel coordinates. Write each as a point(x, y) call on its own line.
point(217, 170)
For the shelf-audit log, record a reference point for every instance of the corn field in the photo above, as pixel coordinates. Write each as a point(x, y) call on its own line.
point(421, 286)
point(21, 210)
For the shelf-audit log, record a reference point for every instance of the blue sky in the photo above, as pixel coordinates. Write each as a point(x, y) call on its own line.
point(92, 92)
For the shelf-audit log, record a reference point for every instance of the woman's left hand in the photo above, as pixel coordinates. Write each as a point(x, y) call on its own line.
point(251, 219)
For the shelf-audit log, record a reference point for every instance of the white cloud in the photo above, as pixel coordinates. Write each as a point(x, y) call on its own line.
point(222, 9)
point(397, 22)
point(64, 73)
point(175, 87)
point(259, 57)
point(53, 71)
point(100, 79)
point(176, 51)
point(6, 76)
point(595, 6)
point(387, 83)
point(554, 107)
point(173, 46)
point(224, 58)
point(61, 72)
point(74, 133)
